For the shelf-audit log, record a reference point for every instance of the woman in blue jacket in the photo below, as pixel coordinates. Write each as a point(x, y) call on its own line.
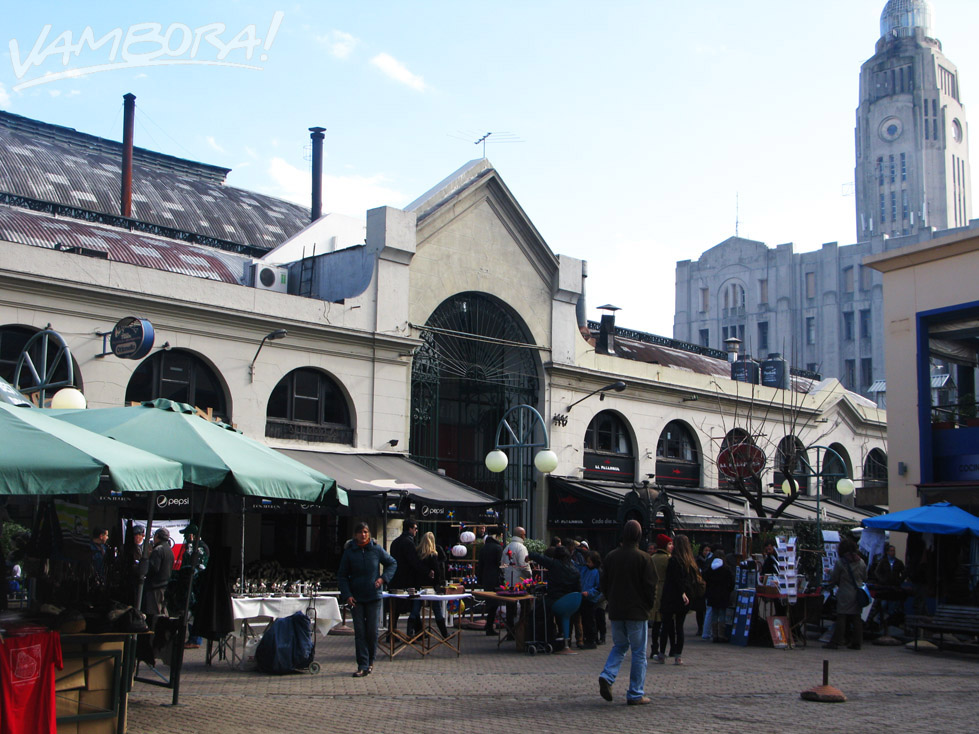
point(591, 595)
point(360, 580)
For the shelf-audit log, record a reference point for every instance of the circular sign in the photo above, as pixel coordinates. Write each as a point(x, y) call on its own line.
point(131, 338)
point(741, 461)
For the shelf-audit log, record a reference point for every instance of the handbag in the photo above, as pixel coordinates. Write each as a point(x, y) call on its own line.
point(863, 593)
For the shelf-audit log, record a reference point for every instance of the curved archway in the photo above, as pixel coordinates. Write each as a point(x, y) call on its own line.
point(791, 455)
point(609, 451)
point(476, 362)
point(13, 339)
point(678, 456)
point(309, 405)
point(183, 376)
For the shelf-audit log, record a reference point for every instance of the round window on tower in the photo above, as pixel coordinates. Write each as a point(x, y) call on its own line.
point(956, 131)
point(890, 129)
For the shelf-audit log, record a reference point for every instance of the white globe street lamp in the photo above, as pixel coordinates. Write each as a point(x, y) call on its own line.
point(496, 461)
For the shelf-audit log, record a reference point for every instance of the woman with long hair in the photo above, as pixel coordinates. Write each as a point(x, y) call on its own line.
point(680, 572)
point(433, 572)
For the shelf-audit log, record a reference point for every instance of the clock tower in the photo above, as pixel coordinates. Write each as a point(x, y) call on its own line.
point(912, 140)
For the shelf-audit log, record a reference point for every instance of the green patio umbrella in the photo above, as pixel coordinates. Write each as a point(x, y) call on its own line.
point(40, 455)
point(213, 454)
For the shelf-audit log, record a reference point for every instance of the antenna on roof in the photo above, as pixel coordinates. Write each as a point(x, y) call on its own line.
point(737, 212)
point(498, 137)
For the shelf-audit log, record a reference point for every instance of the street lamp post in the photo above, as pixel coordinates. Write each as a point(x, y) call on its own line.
point(844, 485)
point(517, 430)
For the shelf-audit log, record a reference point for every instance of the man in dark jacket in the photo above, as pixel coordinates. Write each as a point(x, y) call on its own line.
point(629, 584)
point(160, 568)
point(408, 575)
point(488, 572)
point(360, 581)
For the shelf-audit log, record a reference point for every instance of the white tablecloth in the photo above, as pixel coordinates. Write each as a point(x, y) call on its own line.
point(327, 609)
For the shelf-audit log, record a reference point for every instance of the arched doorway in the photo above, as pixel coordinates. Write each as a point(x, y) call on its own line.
point(182, 376)
point(476, 362)
point(743, 460)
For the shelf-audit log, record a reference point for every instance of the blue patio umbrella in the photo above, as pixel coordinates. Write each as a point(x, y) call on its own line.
point(941, 518)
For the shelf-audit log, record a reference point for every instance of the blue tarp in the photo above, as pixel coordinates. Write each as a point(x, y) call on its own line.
point(941, 518)
point(286, 646)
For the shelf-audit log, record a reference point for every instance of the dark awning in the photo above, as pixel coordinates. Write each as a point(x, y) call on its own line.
point(584, 504)
point(406, 487)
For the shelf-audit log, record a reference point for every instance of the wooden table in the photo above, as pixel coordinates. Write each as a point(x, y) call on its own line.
point(428, 637)
point(519, 629)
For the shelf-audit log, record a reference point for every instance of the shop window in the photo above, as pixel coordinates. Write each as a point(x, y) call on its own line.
point(180, 376)
point(13, 339)
point(307, 405)
point(791, 455)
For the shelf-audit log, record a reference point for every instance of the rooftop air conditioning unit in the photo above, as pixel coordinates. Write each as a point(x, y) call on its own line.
point(267, 277)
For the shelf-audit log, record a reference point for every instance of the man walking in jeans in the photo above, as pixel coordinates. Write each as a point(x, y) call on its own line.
point(629, 584)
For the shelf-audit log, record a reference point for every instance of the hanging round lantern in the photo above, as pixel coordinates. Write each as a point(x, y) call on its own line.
point(467, 536)
point(845, 486)
point(460, 551)
point(68, 397)
point(545, 461)
point(496, 461)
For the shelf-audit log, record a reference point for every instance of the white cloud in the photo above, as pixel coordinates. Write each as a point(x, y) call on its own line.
point(394, 69)
point(339, 43)
point(74, 92)
point(250, 152)
point(4, 97)
point(350, 195)
point(214, 143)
point(54, 92)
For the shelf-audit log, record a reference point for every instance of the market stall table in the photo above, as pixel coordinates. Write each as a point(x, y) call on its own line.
point(326, 606)
point(428, 638)
point(519, 630)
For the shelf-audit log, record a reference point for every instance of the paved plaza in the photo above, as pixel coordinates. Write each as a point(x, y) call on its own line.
point(722, 688)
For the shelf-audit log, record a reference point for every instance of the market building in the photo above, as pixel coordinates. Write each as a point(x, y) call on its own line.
point(408, 337)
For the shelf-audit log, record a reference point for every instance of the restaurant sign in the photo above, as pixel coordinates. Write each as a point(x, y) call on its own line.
point(741, 461)
point(615, 468)
point(131, 338)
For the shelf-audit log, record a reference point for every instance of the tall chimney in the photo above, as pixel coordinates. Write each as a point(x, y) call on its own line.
point(128, 117)
point(316, 135)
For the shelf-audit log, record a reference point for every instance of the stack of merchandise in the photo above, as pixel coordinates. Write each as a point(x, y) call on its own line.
point(788, 580)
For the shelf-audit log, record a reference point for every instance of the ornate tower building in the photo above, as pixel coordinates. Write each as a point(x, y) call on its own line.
point(912, 162)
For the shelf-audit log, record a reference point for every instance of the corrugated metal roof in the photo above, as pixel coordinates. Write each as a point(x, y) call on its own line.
point(119, 245)
point(60, 165)
point(878, 386)
point(939, 381)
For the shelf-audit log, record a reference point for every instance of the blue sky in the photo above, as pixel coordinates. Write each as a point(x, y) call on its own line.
point(642, 130)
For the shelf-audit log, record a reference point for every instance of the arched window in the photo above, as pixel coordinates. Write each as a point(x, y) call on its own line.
point(608, 449)
point(791, 453)
point(309, 406)
point(875, 469)
point(182, 376)
point(836, 465)
point(677, 457)
point(13, 339)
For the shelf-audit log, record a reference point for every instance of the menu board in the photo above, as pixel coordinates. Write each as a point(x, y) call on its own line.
point(742, 617)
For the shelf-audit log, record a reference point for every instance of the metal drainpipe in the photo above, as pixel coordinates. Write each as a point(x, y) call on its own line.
point(316, 135)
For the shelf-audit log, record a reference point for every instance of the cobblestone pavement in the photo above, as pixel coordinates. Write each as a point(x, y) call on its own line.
point(720, 688)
